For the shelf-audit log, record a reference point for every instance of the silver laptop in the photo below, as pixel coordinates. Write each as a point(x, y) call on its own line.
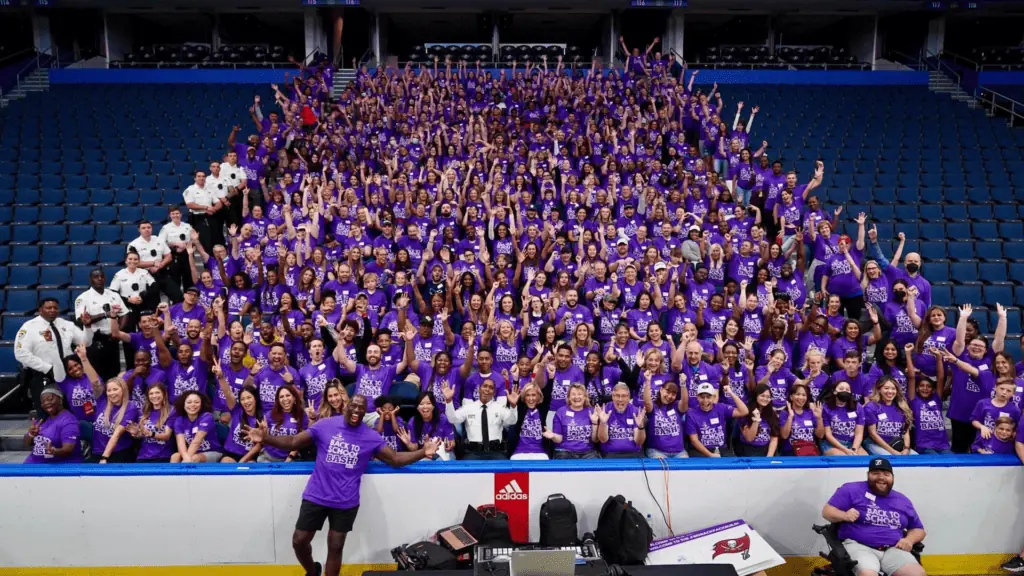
point(543, 563)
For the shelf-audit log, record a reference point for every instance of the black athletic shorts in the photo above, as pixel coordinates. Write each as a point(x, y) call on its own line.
point(312, 516)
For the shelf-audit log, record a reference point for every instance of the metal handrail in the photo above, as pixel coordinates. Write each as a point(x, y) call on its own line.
point(939, 65)
point(18, 54)
point(958, 58)
point(50, 58)
point(912, 61)
point(1015, 108)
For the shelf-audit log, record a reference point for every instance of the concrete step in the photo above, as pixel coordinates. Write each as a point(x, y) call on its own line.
point(13, 457)
point(12, 433)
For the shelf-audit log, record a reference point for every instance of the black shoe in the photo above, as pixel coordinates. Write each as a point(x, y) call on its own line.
point(319, 569)
point(1015, 564)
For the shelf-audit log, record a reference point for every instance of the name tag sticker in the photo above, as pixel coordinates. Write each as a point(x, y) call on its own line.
point(780, 381)
point(851, 414)
point(932, 403)
point(883, 416)
point(1004, 414)
point(195, 429)
point(869, 496)
point(940, 338)
point(714, 420)
point(671, 412)
point(570, 413)
point(629, 421)
point(321, 367)
point(1020, 388)
point(190, 369)
point(983, 368)
point(427, 345)
point(808, 423)
point(566, 382)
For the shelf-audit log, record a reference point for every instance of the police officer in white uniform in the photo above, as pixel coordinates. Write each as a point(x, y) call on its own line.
point(485, 421)
point(235, 180)
point(201, 205)
point(139, 291)
point(178, 235)
point(220, 188)
point(155, 256)
point(41, 346)
point(93, 312)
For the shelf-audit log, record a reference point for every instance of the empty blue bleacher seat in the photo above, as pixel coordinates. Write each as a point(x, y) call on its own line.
point(998, 293)
point(20, 302)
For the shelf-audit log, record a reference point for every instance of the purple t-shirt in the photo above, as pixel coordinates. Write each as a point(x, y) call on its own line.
point(374, 382)
point(439, 428)
point(237, 442)
point(268, 381)
point(882, 520)
point(888, 419)
point(967, 390)
point(802, 427)
point(203, 423)
point(289, 426)
point(103, 429)
point(575, 429)
point(665, 427)
point(621, 426)
point(841, 280)
point(315, 378)
point(152, 448)
point(558, 387)
point(929, 424)
point(530, 439)
point(56, 432)
point(708, 426)
point(843, 421)
point(987, 413)
point(779, 383)
point(182, 379)
point(994, 444)
point(342, 455)
point(78, 393)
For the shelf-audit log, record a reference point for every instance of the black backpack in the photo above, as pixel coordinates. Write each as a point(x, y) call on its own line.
point(558, 522)
point(495, 531)
point(427, 556)
point(623, 534)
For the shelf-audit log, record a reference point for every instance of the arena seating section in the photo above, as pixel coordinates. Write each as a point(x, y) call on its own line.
point(80, 166)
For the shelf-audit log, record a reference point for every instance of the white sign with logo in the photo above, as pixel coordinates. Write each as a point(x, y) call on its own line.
point(733, 543)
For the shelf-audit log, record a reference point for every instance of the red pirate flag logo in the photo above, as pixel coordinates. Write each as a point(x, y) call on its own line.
point(733, 546)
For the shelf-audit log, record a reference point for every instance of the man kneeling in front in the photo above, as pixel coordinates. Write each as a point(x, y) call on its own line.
point(878, 526)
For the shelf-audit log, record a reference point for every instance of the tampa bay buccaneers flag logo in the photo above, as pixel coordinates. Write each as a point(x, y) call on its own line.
point(733, 546)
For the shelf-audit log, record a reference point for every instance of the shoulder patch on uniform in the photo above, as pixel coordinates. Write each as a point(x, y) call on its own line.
point(22, 332)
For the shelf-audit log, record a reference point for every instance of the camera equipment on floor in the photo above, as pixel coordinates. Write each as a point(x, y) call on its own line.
point(423, 556)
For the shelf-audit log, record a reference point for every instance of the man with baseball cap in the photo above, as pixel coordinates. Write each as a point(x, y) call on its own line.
point(879, 527)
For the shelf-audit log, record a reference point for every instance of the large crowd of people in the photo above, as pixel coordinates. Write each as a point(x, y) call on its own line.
point(545, 262)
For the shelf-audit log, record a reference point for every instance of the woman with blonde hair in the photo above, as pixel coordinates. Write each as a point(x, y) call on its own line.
point(154, 427)
point(114, 412)
point(528, 442)
point(335, 397)
point(887, 420)
point(813, 374)
point(574, 427)
point(582, 343)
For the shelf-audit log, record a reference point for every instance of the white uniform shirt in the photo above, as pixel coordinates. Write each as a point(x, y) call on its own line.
point(152, 250)
point(499, 416)
point(129, 284)
point(218, 186)
point(35, 346)
point(92, 302)
point(232, 176)
point(201, 196)
point(171, 232)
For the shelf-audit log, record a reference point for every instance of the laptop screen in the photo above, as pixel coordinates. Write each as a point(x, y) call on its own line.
point(473, 522)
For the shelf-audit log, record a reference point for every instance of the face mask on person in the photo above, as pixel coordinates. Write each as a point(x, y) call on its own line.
point(913, 267)
point(844, 396)
point(899, 296)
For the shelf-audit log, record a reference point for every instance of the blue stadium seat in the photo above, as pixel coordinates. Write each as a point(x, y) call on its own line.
point(932, 231)
point(998, 293)
point(129, 213)
point(78, 214)
point(61, 296)
point(80, 273)
point(942, 294)
point(992, 272)
point(1013, 250)
point(985, 230)
point(111, 254)
point(963, 271)
point(937, 271)
point(22, 276)
point(84, 254)
point(20, 302)
point(960, 250)
point(933, 250)
point(50, 255)
point(52, 234)
point(966, 294)
point(25, 254)
point(991, 251)
point(1013, 320)
point(106, 234)
point(25, 234)
point(1011, 231)
point(54, 277)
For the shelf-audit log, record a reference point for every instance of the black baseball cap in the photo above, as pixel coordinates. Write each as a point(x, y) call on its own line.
point(880, 465)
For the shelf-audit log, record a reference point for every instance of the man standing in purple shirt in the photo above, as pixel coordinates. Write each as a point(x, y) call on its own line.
point(344, 448)
point(878, 527)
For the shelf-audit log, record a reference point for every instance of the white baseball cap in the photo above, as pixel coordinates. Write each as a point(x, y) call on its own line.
point(705, 388)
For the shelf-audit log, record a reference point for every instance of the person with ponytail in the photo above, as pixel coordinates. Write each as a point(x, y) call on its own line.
point(844, 423)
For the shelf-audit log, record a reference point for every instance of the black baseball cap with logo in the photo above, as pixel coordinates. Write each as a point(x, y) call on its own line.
point(880, 465)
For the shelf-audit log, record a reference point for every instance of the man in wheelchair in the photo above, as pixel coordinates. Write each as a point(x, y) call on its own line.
point(878, 528)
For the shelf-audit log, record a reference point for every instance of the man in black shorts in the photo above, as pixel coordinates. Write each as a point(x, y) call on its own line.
point(344, 448)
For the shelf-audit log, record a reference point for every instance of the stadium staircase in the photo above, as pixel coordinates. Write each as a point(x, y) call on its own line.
point(342, 77)
point(37, 81)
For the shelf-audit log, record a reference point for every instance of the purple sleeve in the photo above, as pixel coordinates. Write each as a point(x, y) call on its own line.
point(870, 414)
point(841, 499)
point(691, 424)
point(860, 416)
point(205, 424)
point(913, 520)
point(378, 443)
point(558, 427)
point(68, 432)
point(180, 425)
